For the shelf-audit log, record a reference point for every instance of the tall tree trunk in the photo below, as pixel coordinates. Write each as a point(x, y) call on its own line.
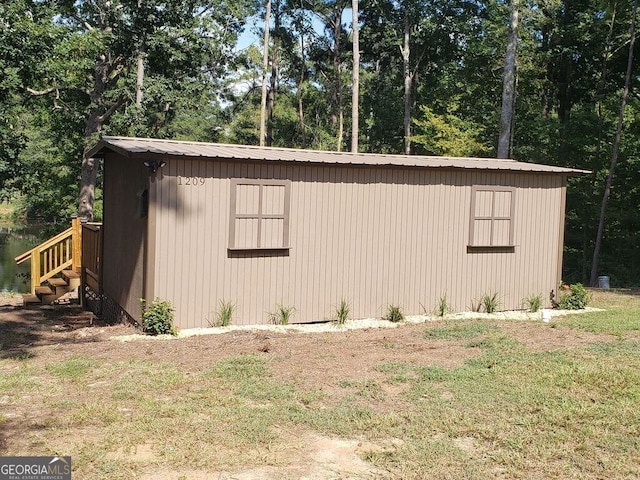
point(265, 66)
point(140, 70)
point(406, 69)
point(89, 173)
point(92, 126)
point(338, 115)
point(139, 78)
point(275, 69)
point(355, 78)
point(508, 85)
point(616, 149)
point(299, 98)
point(271, 95)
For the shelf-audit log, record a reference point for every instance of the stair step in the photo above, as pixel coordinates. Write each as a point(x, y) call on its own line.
point(45, 294)
point(44, 290)
point(58, 282)
point(30, 299)
point(67, 274)
point(72, 278)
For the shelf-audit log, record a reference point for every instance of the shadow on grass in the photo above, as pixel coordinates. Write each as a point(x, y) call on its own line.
point(23, 328)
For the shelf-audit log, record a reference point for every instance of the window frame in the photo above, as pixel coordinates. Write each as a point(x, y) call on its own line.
point(260, 216)
point(473, 218)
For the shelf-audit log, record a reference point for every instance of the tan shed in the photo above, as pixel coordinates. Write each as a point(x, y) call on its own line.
point(197, 223)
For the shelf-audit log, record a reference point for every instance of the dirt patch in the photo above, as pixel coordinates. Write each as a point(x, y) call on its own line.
point(317, 458)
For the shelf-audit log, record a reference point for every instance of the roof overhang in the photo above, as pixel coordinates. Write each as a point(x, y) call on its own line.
point(130, 147)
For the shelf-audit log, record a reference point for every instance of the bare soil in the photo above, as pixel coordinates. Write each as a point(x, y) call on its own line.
point(54, 333)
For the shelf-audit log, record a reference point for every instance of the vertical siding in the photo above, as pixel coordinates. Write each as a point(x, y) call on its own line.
point(124, 232)
point(373, 236)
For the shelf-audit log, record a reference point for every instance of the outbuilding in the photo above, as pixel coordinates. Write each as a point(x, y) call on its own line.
point(201, 223)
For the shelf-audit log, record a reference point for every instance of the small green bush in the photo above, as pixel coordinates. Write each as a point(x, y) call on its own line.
point(394, 314)
point(157, 318)
point(575, 298)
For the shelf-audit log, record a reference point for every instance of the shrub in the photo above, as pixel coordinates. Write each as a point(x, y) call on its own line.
point(394, 314)
point(575, 298)
point(157, 318)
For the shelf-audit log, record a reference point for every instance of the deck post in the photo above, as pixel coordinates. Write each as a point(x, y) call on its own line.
point(35, 270)
point(76, 226)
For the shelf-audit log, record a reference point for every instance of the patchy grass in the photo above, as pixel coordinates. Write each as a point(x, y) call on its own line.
point(617, 322)
point(509, 412)
point(460, 329)
point(621, 317)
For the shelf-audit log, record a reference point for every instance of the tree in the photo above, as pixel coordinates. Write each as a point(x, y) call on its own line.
point(265, 67)
point(355, 77)
point(508, 89)
point(616, 146)
point(91, 71)
point(26, 34)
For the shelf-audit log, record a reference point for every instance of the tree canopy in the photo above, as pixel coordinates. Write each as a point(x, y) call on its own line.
point(431, 82)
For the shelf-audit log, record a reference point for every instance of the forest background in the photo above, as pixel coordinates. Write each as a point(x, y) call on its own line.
point(71, 70)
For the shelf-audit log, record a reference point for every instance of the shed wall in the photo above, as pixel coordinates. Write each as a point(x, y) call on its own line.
point(373, 236)
point(124, 227)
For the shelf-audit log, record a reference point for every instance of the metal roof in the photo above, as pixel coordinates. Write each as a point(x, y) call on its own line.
point(136, 147)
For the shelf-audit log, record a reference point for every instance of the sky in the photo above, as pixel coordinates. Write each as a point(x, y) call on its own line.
point(250, 37)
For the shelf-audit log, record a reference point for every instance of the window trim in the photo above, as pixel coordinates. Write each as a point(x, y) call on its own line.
point(473, 218)
point(260, 216)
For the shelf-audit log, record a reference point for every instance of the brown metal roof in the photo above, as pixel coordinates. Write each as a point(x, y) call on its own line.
point(129, 147)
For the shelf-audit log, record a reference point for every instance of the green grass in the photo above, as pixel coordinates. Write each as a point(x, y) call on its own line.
point(508, 412)
point(74, 368)
point(617, 322)
point(459, 329)
point(364, 388)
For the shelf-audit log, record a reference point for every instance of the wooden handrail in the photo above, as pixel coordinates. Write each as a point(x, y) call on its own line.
point(44, 245)
point(61, 252)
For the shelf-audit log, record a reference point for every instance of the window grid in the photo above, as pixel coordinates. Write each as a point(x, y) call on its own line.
point(259, 214)
point(492, 218)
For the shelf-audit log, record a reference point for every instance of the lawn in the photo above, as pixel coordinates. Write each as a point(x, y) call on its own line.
point(459, 399)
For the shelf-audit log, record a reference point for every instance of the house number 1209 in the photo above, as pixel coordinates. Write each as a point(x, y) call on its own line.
point(194, 181)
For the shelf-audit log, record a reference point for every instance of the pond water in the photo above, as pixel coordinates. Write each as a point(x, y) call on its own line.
point(13, 242)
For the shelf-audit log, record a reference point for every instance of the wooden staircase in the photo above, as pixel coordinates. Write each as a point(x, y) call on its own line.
point(53, 289)
point(55, 266)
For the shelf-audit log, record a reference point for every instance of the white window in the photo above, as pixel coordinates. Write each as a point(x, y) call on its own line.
point(259, 217)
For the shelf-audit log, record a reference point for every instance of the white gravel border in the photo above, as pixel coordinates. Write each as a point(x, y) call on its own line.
point(357, 324)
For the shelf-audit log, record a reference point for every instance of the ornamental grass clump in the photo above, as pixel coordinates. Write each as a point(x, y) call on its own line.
point(394, 313)
point(490, 302)
point(533, 302)
point(224, 314)
point(342, 312)
point(282, 315)
point(443, 306)
point(157, 317)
